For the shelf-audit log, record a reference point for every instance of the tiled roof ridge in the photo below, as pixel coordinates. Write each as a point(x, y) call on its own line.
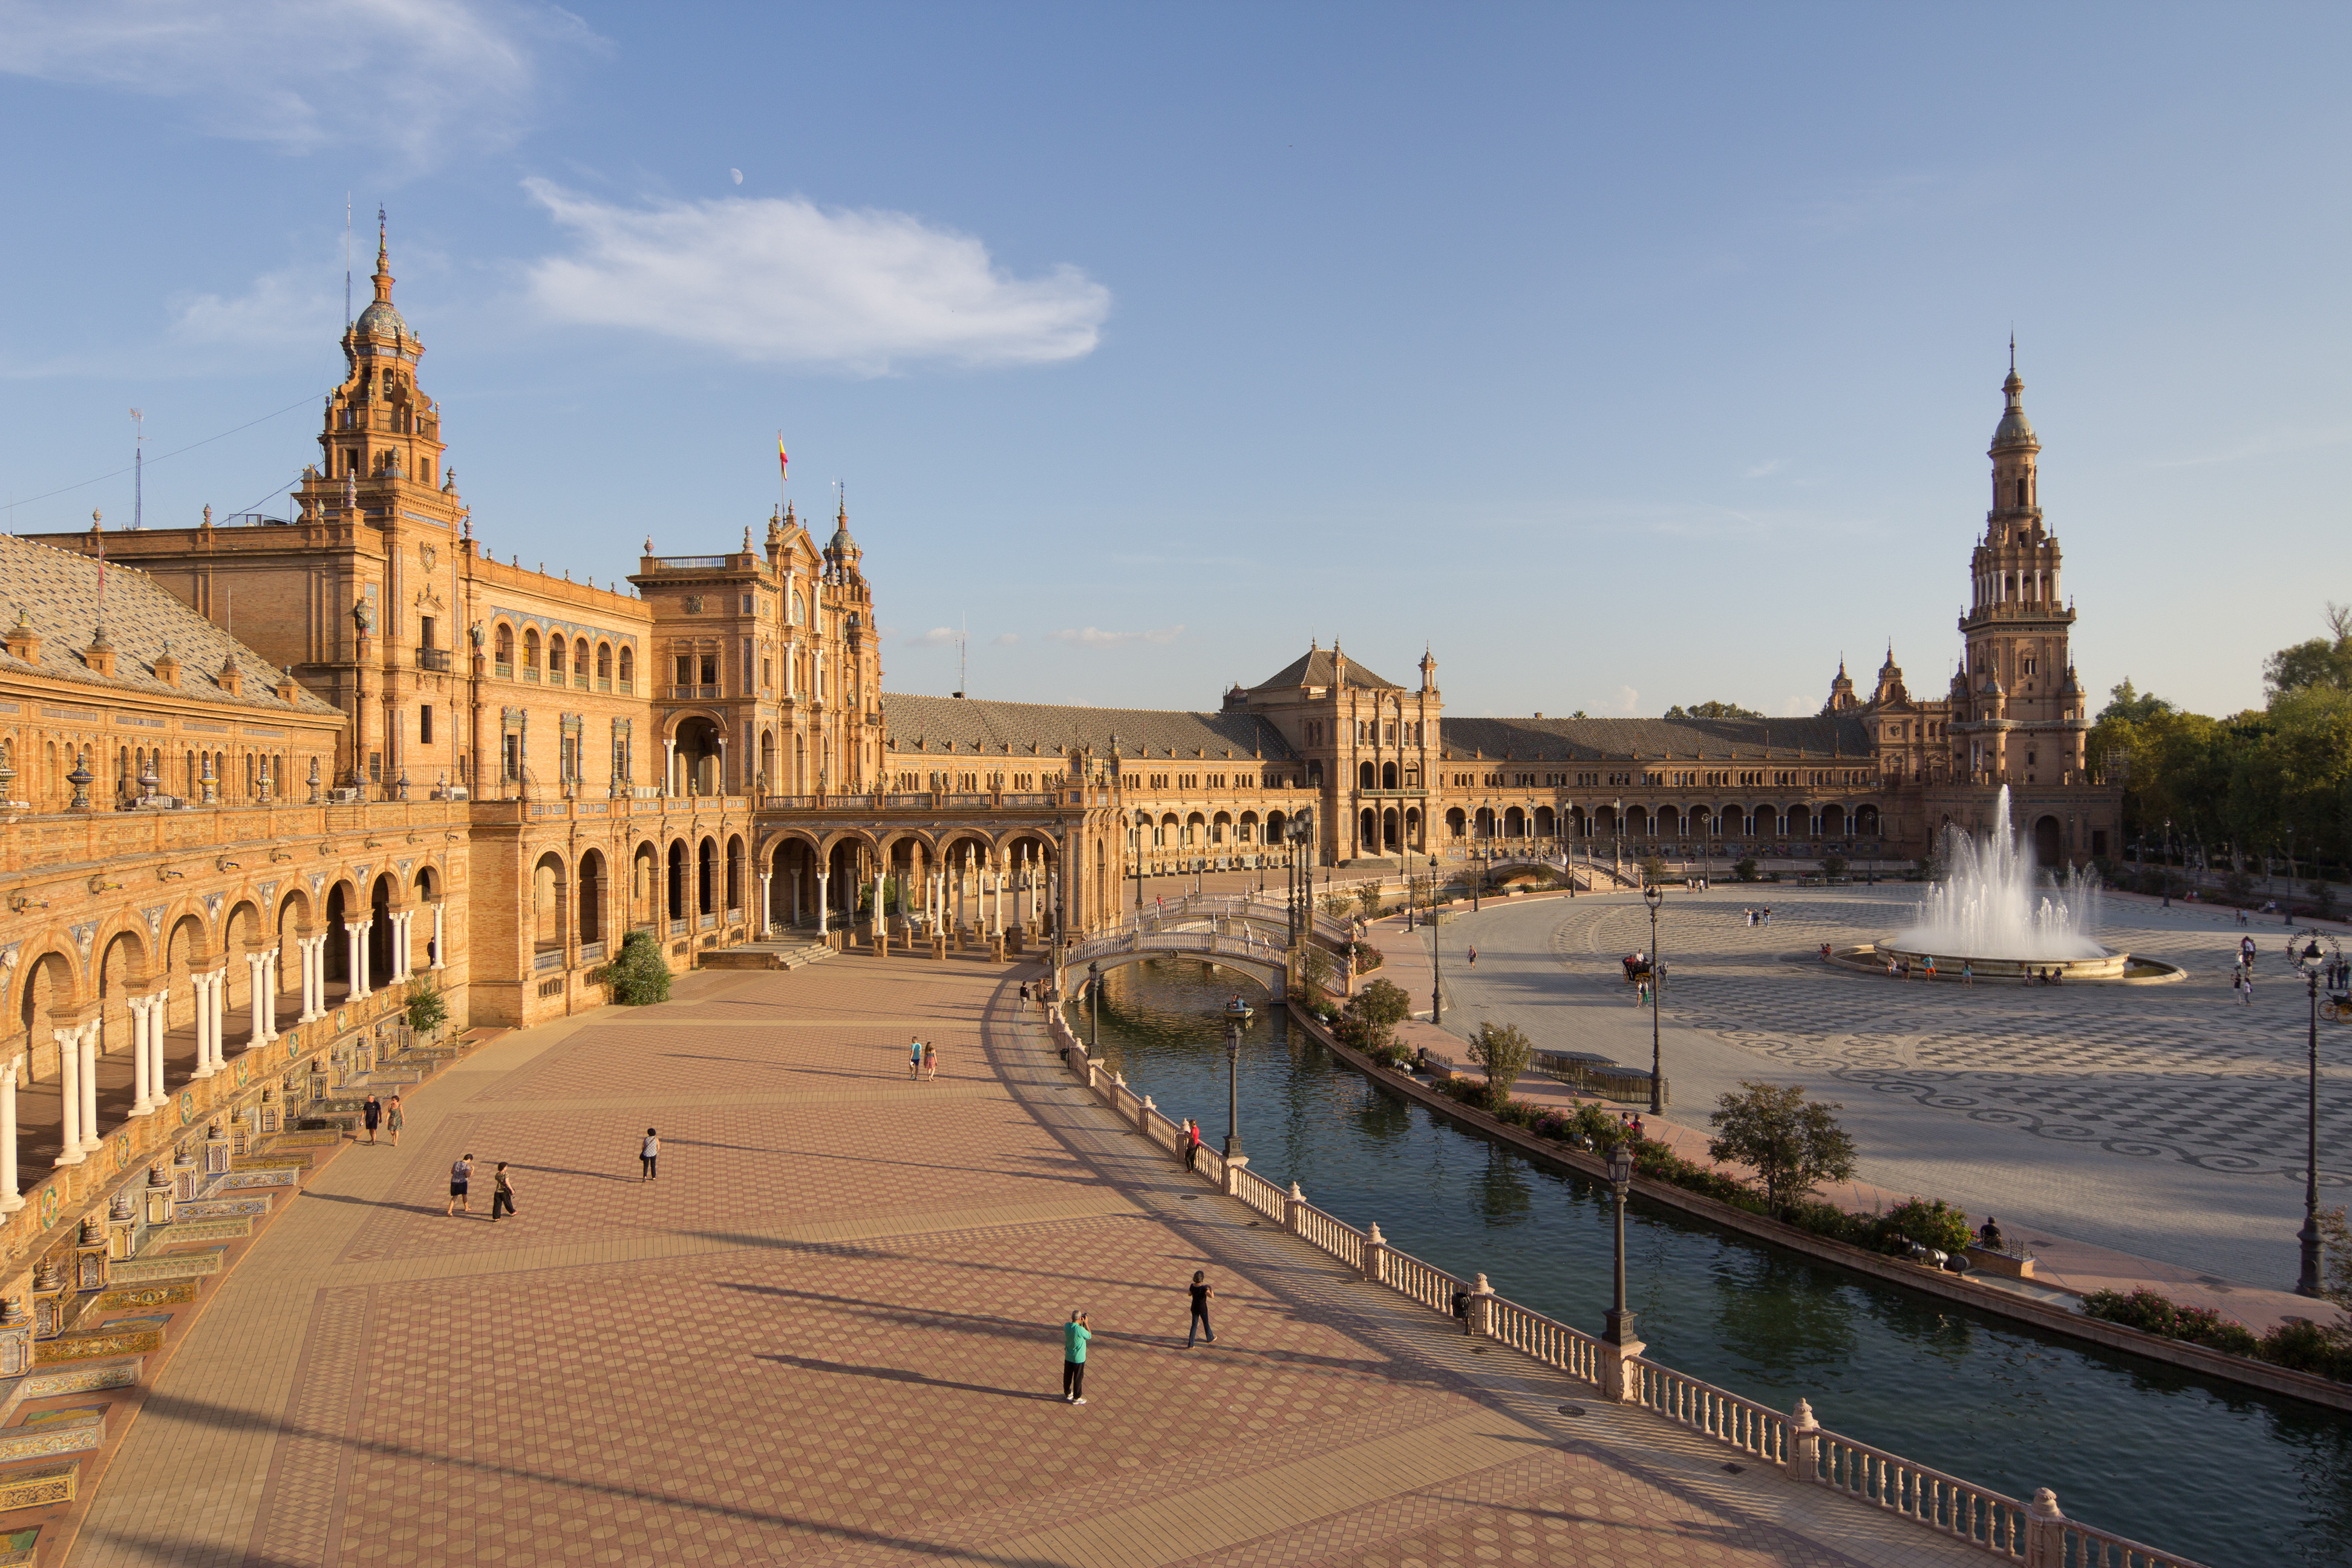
point(1170, 735)
point(197, 647)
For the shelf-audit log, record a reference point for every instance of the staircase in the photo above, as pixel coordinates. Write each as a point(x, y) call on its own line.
point(786, 950)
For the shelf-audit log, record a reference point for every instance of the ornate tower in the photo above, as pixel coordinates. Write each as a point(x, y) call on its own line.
point(2021, 718)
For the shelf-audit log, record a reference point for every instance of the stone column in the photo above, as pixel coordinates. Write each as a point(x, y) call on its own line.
point(1295, 1200)
point(257, 969)
point(669, 766)
point(307, 949)
point(1482, 1310)
point(159, 1017)
point(440, 939)
point(142, 1012)
point(69, 1096)
point(823, 914)
point(999, 888)
point(1376, 1247)
point(11, 1200)
point(269, 994)
point(355, 947)
point(90, 1141)
point(760, 930)
point(201, 987)
point(220, 1017)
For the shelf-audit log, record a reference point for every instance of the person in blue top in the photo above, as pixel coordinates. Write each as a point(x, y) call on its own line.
point(1075, 1335)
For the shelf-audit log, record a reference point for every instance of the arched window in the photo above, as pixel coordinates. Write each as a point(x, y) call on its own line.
point(628, 669)
point(603, 666)
point(555, 660)
point(530, 653)
point(505, 645)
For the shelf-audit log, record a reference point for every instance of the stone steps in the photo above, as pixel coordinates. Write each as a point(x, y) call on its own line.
point(234, 1228)
point(254, 1206)
point(106, 1342)
point(149, 1269)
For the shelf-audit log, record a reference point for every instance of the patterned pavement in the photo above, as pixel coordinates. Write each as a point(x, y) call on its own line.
point(2166, 1120)
point(828, 1334)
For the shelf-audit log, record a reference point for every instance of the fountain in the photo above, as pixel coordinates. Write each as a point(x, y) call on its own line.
point(1996, 910)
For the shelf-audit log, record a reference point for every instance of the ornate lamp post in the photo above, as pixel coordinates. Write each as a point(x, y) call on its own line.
point(1094, 985)
point(1653, 897)
point(1233, 1092)
point(2313, 962)
point(1620, 1182)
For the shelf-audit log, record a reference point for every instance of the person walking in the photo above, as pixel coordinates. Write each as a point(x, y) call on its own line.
point(1075, 1335)
point(930, 1061)
point(1967, 972)
point(461, 1177)
point(372, 1113)
point(501, 1192)
point(648, 1152)
point(2246, 990)
point(914, 1060)
point(1025, 993)
point(1201, 1291)
point(392, 1119)
point(1192, 1144)
point(1474, 958)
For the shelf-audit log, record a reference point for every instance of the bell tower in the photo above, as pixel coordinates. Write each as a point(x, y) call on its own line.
point(2022, 719)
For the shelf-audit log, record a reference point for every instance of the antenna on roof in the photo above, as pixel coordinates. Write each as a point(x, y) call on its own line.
point(139, 470)
point(963, 641)
point(347, 261)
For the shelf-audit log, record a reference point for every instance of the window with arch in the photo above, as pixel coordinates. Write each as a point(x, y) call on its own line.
point(530, 653)
point(603, 666)
point(628, 669)
point(555, 660)
point(503, 656)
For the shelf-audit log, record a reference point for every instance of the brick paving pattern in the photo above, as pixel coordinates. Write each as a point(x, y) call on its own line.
point(828, 1334)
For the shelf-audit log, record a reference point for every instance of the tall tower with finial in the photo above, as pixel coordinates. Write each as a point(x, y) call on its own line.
point(2022, 719)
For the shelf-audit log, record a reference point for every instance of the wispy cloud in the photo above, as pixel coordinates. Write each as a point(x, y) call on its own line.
point(937, 636)
point(2293, 438)
point(295, 307)
point(1095, 636)
point(1766, 469)
point(779, 281)
point(433, 75)
point(1006, 639)
point(1626, 700)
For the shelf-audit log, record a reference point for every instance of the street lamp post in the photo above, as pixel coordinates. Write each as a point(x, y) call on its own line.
point(1436, 1006)
point(1653, 897)
point(1094, 988)
point(2167, 872)
point(2312, 961)
point(1620, 1182)
point(1233, 1092)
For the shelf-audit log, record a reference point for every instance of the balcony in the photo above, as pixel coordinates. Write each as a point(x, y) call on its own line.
point(693, 693)
point(690, 563)
point(433, 658)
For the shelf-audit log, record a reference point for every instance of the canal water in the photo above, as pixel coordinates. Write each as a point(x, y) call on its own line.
point(2204, 1468)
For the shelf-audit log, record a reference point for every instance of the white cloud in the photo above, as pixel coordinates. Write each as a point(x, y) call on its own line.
point(421, 77)
point(1766, 469)
point(779, 281)
point(1627, 701)
point(294, 306)
point(1095, 636)
point(937, 636)
point(1006, 639)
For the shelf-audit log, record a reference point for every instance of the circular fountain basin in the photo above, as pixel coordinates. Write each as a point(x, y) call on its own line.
point(2112, 968)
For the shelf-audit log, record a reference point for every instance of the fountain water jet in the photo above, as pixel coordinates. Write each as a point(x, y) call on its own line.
point(1996, 910)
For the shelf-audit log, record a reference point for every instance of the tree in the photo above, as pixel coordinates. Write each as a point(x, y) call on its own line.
point(2321, 661)
point(1377, 1010)
point(640, 976)
point(1368, 897)
point(1834, 865)
point(1744, 870)
point(1709, 711)
point(1505, 1053)
point(427, 1008)
point(2124, 702)
point(1792, 1143)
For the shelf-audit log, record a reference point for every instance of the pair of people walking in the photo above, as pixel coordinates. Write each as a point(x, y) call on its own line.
point(922, 1060)
point(374, 1112)
point(1192, 1144)
point(1078, 1333)
point(461, 1182)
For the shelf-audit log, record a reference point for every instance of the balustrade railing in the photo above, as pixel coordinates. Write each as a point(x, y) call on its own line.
point(2039, 1534)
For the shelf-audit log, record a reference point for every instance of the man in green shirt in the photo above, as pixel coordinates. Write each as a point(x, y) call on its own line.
point(1075, 1335)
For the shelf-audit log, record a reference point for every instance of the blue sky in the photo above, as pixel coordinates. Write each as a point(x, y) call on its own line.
point(1626, 356)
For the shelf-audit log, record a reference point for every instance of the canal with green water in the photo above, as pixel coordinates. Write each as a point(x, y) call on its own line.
point(2216, 1472)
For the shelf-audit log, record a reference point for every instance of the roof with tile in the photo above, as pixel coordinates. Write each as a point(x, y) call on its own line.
point(57, 593)
point(977, 727)
point(1655, 740)
point(1320, 667)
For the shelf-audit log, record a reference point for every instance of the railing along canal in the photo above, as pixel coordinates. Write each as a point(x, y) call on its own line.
point(2037, 1534)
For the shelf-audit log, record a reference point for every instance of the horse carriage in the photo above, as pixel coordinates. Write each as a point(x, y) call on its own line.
point(1637, 968)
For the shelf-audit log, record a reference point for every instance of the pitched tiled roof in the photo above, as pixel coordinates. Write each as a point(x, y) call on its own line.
point(1686, 740)
point(1318, 666)
point(57, 590)
point(978, 727)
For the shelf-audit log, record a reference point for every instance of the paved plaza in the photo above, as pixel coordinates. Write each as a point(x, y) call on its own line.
point(2164, 1121)
point(829, 1334)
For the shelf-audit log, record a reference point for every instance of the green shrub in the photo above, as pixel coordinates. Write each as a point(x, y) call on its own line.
point(1936, 1224)
point(427, 1008)
point(1744, 870)
point(2307, 1347)
point(2155, 1314)
point(640, 976)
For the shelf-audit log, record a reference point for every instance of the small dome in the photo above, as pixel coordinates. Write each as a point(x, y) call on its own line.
point(2014, 430)
point(842, 546)
point(384, 320)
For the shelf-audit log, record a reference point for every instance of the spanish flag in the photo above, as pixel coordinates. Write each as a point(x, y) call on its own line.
point(782, 471)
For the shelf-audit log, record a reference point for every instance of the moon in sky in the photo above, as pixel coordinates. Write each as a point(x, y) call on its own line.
point(738, 176)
